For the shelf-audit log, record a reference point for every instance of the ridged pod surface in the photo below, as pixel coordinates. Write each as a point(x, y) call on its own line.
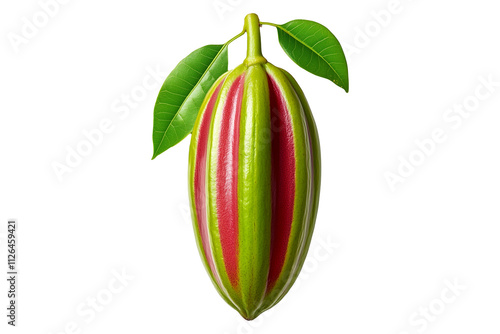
point(254, 181)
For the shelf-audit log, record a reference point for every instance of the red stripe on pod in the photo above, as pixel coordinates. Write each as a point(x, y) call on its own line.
point(282, 181)
point(227, 178)
point(312, 166)
point(200, 176)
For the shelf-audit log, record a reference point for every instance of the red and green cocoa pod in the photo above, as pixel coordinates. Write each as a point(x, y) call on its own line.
point(254, 181)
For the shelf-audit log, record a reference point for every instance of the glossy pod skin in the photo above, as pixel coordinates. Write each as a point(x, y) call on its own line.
point(254, 182)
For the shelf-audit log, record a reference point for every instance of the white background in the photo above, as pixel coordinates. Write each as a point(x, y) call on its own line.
point(380, 257)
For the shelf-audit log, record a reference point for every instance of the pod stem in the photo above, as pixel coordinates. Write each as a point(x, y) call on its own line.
point(254, 50)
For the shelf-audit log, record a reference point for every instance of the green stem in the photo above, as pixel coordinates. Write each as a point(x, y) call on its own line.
point(254, 50)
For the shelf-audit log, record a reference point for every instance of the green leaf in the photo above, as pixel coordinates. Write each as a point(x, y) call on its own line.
point(314, 48)
point(182, 94)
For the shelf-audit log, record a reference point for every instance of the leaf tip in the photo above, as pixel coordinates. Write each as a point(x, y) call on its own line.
point(342, 84)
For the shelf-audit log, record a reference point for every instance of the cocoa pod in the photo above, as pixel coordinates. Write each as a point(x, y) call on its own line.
point(254, 182)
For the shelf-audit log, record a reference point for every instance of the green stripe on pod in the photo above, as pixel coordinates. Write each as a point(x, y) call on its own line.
point(254, 190)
